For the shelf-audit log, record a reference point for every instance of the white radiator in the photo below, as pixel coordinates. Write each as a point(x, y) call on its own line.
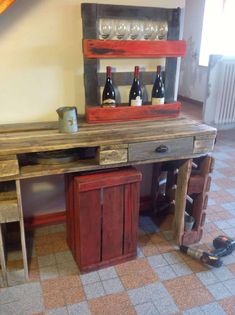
point(219, 105)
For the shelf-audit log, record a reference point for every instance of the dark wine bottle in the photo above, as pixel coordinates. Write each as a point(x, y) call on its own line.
point(158, 91)
point(108, 96)
point(135, 96)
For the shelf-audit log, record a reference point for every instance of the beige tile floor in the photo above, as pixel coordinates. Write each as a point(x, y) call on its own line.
point(160, 281)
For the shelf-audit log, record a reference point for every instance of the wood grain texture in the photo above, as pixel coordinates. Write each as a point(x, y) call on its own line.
point(106, 157)
point(180, 199)
point(131, 219)
point(147, 150)
point(127, 113)
point(9, 167)
point(9, 211)
point(112, 224)
point(133, 49)
point(88, 227)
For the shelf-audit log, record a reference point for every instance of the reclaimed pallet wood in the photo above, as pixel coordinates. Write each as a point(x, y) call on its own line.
point(95, 48)
point(127, 113)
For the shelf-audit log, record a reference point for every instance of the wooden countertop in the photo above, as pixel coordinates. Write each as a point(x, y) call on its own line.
point(35, 137)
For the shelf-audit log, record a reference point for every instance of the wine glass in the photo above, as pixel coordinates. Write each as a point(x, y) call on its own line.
point(136, 29)
point(122, 29)
point(148, 29)
point(106, 28)
point(162, 30)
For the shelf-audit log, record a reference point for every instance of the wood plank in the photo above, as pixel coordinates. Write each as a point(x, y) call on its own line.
point(22, 231)
point(9, 211)
point(106, 157)
point(9, 168)
point(180, 199)
point(112, 227)
point(127, 113)
point(131, 206)
point(111, 178)
point(133, 49)
point(88, 227)
point(2, 258)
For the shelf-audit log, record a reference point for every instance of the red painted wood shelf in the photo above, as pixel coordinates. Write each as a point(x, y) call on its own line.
point(133, 49)
point(126, 113)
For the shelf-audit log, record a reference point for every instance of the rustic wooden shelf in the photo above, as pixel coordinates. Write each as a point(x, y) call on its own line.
point(95, 48)
point(126, 113)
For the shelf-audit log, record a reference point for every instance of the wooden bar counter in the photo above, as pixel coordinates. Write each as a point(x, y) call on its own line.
point(108, 145)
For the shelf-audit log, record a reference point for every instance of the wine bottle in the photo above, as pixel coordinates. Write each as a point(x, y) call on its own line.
point(108, 96)
point(158, 91)
point(135, 96)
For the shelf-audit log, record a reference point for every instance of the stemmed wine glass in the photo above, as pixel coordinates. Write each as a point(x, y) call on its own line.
point(136, 29)
point(162, 30)
point(106, 28)
point(148, 29)
point(122, 29)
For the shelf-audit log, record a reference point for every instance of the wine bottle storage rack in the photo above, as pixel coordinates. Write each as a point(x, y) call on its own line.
point(125, 113)
point(95, 49)
point(133, 49)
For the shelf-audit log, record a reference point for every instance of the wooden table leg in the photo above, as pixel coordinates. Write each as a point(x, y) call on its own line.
point(180, 199)
point(22, 232)
point(2, 259)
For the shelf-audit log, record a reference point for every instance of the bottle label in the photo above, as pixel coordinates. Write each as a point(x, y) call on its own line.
point(158, 101)
point(108, 102)
point(137, 101)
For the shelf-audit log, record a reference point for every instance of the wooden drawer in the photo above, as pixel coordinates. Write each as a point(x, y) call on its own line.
point(160, 149)
point(9, 166)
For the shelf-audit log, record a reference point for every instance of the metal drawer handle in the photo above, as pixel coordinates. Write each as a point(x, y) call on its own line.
point(161, 149)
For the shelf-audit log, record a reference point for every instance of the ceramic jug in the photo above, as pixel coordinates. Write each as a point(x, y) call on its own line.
point(68, 121)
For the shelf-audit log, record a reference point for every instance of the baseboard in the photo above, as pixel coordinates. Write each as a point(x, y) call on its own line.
point(60, 217)
point(44, 219)
point(189, 100)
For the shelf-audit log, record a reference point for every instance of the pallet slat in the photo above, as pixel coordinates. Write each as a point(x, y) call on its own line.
point(127, 113)
point(95, 48)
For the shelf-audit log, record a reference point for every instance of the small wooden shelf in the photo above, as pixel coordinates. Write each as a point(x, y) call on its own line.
point(127, 113)
point(95, 48)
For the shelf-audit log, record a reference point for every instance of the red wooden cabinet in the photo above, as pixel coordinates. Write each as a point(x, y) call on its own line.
point(102, 217)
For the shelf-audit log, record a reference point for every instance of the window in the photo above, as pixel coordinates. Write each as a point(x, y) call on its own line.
point(218, 29)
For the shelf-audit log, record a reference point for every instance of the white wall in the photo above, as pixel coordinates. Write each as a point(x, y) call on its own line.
point(41, 69)
point(193, 78)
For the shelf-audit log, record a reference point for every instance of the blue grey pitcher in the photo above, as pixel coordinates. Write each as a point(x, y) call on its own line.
point(68, 121)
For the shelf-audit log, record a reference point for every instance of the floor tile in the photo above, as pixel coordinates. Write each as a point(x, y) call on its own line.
point(181, 269)
point(94, 290)
point(112, 286)
point(230, 285)
point(228, 305)
point(219, 291)
point(79, 309)
point(90, 277)
point(157, 261)
point(49, 272)
point(107, 273)
point(165, 272)
point(54, 300)
point(222, 273)
point(46, 260)
point(73, 295)
point(146, 309)
point(57, 311)
point(207, 277)
point(194, 311)
point(213, 308)
point(115, 304)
